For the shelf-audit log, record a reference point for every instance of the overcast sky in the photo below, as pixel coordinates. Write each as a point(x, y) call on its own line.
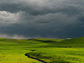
point(42, 18)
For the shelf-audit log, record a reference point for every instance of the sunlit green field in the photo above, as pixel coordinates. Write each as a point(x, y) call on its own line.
point(48, 50)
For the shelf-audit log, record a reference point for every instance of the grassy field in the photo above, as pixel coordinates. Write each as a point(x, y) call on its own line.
point(48, 50)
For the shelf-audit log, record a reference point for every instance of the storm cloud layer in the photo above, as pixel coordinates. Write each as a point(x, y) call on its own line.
point(42, 18)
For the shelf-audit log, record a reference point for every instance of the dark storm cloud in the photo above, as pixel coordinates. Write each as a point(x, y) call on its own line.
point(42, 18)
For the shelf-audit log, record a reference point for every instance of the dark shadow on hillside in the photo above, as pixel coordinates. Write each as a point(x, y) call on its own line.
point(47, 41)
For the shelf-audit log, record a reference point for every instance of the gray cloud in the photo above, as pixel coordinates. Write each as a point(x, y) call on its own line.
point(42, 18)
point(8, 18)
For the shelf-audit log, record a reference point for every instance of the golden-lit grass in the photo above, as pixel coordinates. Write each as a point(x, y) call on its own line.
point(48, 50)
point(15, 56)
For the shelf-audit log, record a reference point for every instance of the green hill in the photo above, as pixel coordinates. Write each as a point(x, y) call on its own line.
point(66, 50)
point(67, 42)
point(76, 42)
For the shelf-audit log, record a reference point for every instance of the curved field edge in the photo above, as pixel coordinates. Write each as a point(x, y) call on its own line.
point(58, 55)
point(48, 50)
point(15, 56)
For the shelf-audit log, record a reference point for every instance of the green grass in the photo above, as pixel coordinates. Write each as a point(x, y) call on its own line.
point(49, 50)
point(13, 51)
point(59, 55)
point(15, 56)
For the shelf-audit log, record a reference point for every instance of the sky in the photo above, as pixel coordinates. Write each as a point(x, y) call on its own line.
point(42, 18)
